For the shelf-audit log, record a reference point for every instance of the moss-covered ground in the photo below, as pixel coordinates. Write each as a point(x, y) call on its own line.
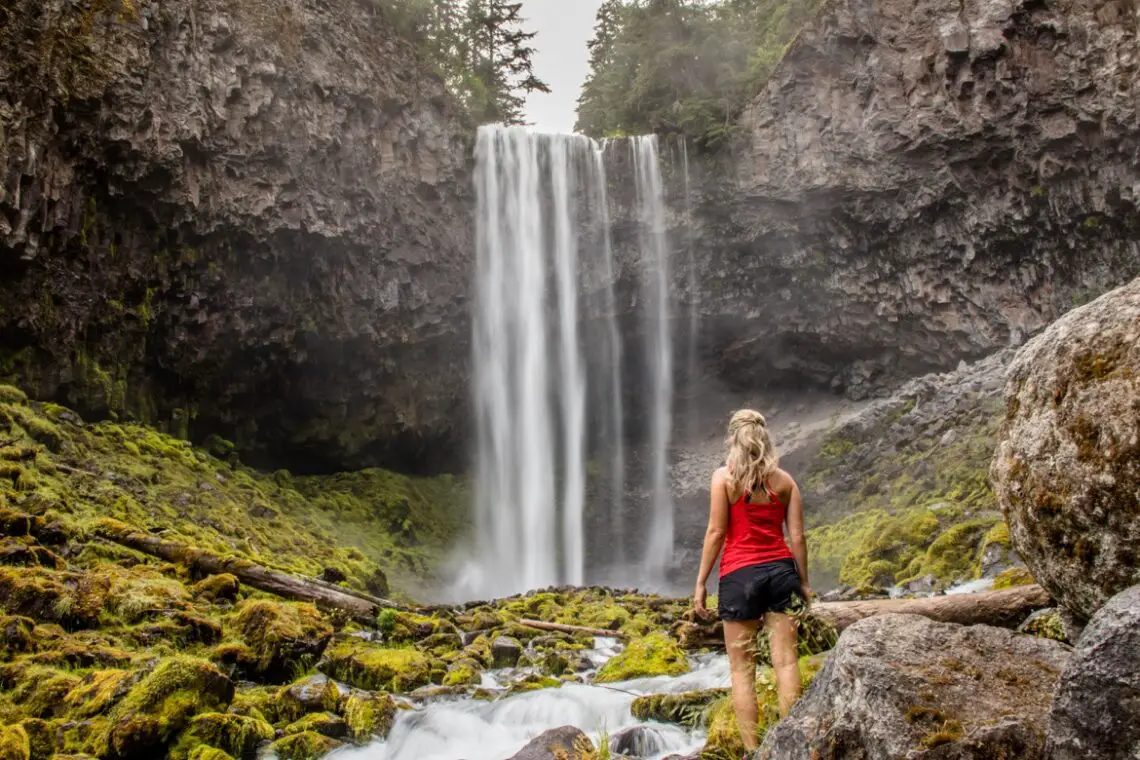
point(906, 498)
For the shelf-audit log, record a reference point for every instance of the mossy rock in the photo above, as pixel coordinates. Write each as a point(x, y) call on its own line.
point(313, 694)
point(1013, 577)
point(14, 743)
point(375, 668)
point(686, 709)
point(305, 746)
point(534, 682)
point(369, 715)
point(463, 672)
point(17, 635)
point(99, 691)
point(652, 655)
point(282, 636)
point(217, 588)
point(238, 735)
point(261, 702)
point(73, 600)
point(407, 627)
point(41, 738)
point(326, 724)
point(160, 706)
point(208, 753)
point(40, 691)
point(9, 394)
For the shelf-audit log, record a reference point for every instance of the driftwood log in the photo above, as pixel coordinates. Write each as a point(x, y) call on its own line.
point(360, 607)
point(1006, 609)
point(562, 628)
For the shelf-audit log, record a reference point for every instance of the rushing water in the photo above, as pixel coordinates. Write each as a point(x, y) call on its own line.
point(543, 229)
point(658, 349)
point(480, 730)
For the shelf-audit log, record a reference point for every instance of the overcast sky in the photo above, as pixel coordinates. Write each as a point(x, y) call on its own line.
point(564, 27)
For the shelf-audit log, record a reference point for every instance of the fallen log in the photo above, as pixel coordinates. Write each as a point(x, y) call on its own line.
point(1005, 609)
point(363, 611)
point(562, 628)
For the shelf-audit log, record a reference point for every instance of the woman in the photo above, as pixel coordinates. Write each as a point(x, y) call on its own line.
point(761, 579)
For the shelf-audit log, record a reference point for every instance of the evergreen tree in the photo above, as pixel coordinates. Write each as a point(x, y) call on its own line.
point(502, 60)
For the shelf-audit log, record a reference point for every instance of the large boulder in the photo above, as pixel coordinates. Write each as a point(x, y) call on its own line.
point(1067, 470)
point(1096, 710)
point(906, 686)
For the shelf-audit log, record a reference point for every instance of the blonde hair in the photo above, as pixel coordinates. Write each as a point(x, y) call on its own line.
point(752, 457)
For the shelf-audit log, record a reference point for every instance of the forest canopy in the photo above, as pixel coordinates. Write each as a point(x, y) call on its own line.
point(479, 47)
point(683, 66)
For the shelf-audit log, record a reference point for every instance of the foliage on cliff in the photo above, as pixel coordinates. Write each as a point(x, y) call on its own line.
point(362, 526)
point(683, 66)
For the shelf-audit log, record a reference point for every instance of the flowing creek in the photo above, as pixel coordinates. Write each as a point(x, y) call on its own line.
point(474, 729)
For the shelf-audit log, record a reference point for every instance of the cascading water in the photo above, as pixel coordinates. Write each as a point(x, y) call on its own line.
point(692, 421)
point(544, 230)
point(658, 351)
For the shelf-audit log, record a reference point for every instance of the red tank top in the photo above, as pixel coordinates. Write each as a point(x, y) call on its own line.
point(755, 533)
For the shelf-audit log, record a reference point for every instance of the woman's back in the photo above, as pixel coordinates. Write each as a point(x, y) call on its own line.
point(756, 527)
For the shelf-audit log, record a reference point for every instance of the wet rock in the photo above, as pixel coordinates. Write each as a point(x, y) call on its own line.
point(637, 741)
point(1067, 471)
point(308, 745)
point(505, 652)
point(1096, 710)
point(325, 724)
point(905, 686)
point(281, 636)
point(316, 693)
point(463, 672)
point(567, 743)
point(237, 735)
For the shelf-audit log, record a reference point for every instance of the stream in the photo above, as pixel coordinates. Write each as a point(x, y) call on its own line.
point(480, 730)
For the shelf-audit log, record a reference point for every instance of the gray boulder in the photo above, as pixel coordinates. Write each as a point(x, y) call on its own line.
point(1067, 470)
point(505, 652)
point(905, 686)
point(566, 743)
point(1096, 711)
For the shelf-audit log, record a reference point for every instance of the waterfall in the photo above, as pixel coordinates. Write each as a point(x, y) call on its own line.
point(658, 351)
point(692, 422)
point(543, 235)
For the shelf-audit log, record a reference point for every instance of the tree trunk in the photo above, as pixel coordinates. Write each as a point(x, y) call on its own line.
point(362, 609)
point(560, 628)
point(999, 608)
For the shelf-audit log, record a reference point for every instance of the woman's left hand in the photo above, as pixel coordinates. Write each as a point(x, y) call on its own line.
point(700, 596)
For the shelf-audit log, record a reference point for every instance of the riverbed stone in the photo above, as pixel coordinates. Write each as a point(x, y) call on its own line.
point(565, 743)
point(1067, 470)
point(907, 686)
point(505, 652)
point(1096, 710)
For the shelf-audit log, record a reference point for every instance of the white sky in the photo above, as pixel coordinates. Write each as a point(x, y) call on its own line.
point(564, 27)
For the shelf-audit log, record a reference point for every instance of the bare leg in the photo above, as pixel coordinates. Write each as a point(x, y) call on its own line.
point(782, 639)
point(740, 641)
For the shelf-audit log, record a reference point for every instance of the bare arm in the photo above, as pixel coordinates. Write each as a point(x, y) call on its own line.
point(795, 520)
point(714, 537)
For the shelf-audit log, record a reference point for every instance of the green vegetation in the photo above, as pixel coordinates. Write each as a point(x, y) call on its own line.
point(684, 66)
point(652, 655)
point(479, 48)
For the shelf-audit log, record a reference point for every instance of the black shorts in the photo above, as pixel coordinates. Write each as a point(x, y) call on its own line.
point(747, 593)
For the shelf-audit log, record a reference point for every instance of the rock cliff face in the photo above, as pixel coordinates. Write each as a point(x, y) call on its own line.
point(248, 218)
point(920, 183)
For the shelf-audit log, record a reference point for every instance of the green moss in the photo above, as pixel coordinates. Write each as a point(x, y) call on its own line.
point(41, 739)
point(686, 709)
point(237, 735)
point(1046, 626)
point(160, 706)
point(464, 672)
point(14, 743)
point(311, 694)
point(369, 716)
point(208, 753)
point(217, 588)
point(374, 668)
point(652, 655)
point(326, 724)
point(305, 746)
point(534, 682)
point(949, 732)
point(11, 395)
point(99, 691)
point(1015, 576)
point(282, 636)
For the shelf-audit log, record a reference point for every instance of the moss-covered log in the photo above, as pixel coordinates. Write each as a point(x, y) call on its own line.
point(323, 595)
point(1006, 609)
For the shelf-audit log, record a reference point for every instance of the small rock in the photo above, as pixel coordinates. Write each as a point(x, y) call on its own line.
point(566, 743)
point(333, 575)
point(505, 652)
point(637, 741)
point(1096, 710)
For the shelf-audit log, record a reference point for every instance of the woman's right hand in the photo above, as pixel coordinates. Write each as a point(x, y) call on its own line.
point(700, 596)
